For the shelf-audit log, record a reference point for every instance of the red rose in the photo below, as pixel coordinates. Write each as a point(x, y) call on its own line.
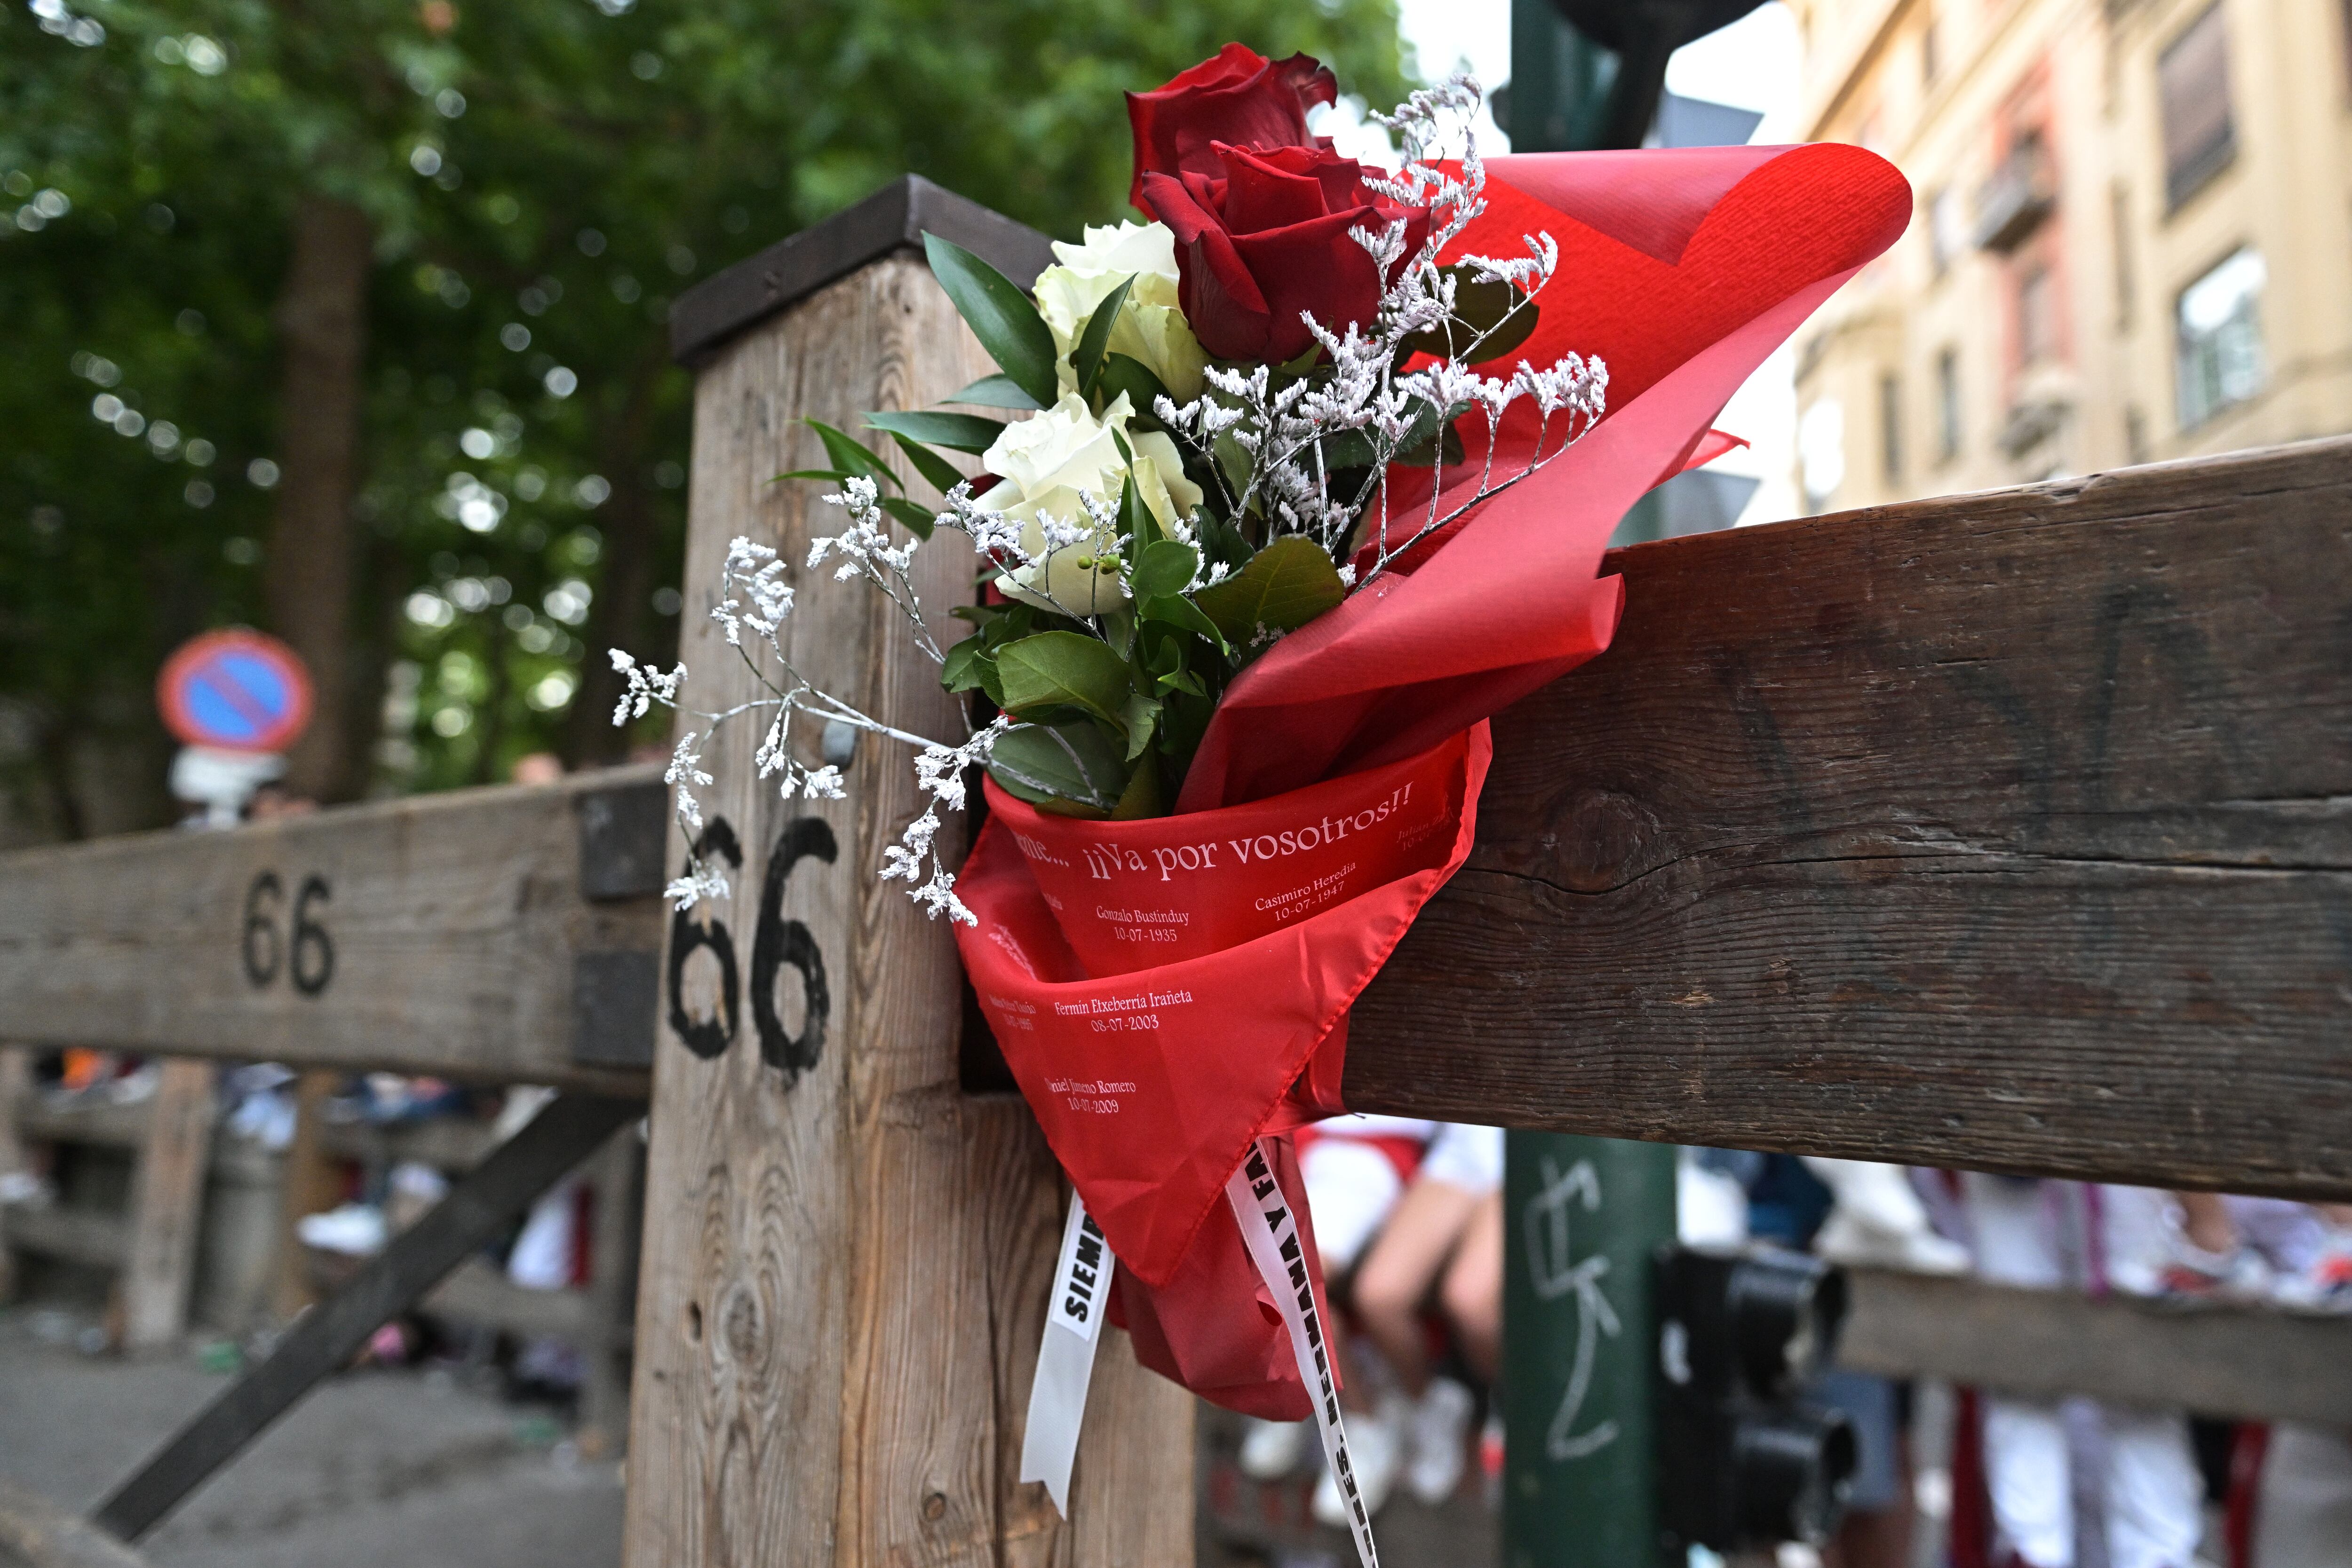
point(1240, 98)
point(1270, 239)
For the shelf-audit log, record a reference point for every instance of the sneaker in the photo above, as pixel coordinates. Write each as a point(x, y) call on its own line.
point(355, 1230)
point(1272, 1449)
point(1439, 1428)
point(2194, 1274)
point(2325, 1284)
point(1846, 1239)
point(1376, 1447)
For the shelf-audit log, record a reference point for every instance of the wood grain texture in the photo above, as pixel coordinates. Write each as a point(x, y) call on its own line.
point(16, 1099)
point(844, 1264)
point(2009, 831)
point(2247, 1363)
point(93, 1238)
point(455, 921)
point(167, 1204)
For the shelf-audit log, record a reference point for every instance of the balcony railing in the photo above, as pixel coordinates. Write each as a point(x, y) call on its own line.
point(2011, 204)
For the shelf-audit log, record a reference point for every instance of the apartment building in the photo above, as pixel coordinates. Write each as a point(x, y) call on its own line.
point(2132, 238)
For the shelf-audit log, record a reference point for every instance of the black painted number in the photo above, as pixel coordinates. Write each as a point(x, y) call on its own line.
point(706, 1036)
point(780, 942)
point(265, 950)
point(777, 944)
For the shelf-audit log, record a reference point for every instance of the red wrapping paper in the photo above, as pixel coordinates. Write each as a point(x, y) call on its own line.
point(1163, 991)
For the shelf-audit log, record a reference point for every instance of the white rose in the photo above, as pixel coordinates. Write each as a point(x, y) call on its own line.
point(1150, 326)
point(1045, 464)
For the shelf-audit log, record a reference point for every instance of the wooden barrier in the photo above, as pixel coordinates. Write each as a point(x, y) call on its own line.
point(814, 1166)
point(2003, 831)
point(2009, 831)
point(150, 1246)
point(505, 935)
point(2250, 1363)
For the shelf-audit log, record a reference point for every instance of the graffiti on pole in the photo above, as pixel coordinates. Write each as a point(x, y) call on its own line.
point(1554, 1276)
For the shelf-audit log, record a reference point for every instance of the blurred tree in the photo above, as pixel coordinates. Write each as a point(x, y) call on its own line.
point(347, 322)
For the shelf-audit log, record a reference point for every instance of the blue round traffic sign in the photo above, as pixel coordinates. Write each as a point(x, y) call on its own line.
point(238, 691)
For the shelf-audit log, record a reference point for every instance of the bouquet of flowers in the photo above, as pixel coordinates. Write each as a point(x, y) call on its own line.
point(1283, 492)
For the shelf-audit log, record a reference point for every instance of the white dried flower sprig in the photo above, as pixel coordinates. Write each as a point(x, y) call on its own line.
point(754, 573)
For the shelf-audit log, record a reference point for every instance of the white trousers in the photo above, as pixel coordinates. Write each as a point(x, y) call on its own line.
point(2049, 1235)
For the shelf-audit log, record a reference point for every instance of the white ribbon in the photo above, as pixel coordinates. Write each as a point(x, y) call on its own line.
point(1270, 1231)
point(1066, 1359)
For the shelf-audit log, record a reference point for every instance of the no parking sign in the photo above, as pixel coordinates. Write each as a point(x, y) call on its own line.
point(235, 691)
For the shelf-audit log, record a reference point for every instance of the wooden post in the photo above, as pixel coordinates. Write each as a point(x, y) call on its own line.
point(167, 1204)
point(15, 1087)
point(309, 1184)
point(613, 1177)
point(845, 1255)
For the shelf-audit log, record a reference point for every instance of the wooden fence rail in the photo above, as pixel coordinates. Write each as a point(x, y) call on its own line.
point(510, 935)
point(2006, 832)
point(2009, 831)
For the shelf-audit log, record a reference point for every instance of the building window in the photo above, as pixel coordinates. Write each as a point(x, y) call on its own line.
point(2219, 327)
point(1947, 404)
point(2193, 81)
point(1890, 429)
point(1821, 453)
point(2037, 316)
point(2119, 218)
point(1947, 228)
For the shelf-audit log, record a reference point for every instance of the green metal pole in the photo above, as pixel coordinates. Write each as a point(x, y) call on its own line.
point(1582, 1218)
point(1560, 82)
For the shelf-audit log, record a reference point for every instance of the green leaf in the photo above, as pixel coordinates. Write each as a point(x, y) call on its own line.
point(956, 432)
point(1284, 586)
point(1448, 448)
point(1087, 358)
point(1142, 798)
point(1069, 763)
point(916, 518)
point(928, 463)
point(1135, 518)
point(1353, 448)
point(992, 391)
point(1055, 668)
point(1140, 715)
point(850, 457)
point(969, 667)
point(834, 475)
point(1001, 316)
point(1165, 566)
point(1175, 610)
point(1224, 541)
point(1484, 325)
point(1126, 373)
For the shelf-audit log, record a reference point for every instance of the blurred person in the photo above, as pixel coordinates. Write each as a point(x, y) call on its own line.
point(2303, 1498)
point(1876, 1219)
point(537, 768)
point(2294, 1481)
point(2056, 1235)
point(1355, 1168)
point(273, 800)
point(1445, 1238)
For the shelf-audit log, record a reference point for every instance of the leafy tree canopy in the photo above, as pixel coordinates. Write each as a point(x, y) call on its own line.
point(537, 180)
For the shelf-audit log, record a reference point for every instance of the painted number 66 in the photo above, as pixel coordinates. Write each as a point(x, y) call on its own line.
point(306, 943)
